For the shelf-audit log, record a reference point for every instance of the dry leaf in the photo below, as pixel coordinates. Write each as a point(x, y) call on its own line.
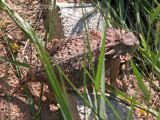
point(14, 47)
point(142, 112)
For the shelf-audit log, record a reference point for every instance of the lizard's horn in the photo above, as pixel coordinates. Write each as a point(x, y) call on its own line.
point(123, 31)
point(111, 52)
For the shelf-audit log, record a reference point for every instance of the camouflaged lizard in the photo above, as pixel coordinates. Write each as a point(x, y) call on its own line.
point(65, 53)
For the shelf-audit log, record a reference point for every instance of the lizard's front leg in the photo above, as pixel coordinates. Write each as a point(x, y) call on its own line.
point(114, 70)
point(120, 43)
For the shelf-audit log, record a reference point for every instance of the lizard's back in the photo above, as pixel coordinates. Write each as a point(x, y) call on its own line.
point(66, 54)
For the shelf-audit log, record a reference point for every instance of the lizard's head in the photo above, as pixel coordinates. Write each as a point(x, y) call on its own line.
point(120, 42)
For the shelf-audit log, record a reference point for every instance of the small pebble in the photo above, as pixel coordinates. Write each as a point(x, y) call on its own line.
point(26, 58)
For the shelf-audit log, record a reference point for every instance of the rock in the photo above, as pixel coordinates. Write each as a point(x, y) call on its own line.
point(119, 107)
point(69, 19)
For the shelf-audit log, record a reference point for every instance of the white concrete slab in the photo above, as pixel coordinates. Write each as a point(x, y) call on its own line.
point(69, 19)
point(121, 109)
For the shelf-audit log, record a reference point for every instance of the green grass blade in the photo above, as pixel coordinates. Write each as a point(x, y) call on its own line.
point(87, 48)
point(155, 14)
point(143, 42)
point(147, 78)
point(110, 105)
point(147, 6)
point(101, 58)
point(47, 21)
point(158, 116)
point(40, 101)
point(126, 10)
point(132, 106)
point(113, 13)
point(20, 64)
point(121, 8)
point(151, 59)
point(51, 32)
point(140, 82)
point(157, 35)
point(102, 102)
point(2, 5)
point(30, 102)
point(13, 57)
point(138, 16)
point(120, 95)
point(88, 44)
point(84, 59)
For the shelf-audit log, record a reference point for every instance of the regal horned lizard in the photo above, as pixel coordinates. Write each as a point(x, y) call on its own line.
point(65, 53)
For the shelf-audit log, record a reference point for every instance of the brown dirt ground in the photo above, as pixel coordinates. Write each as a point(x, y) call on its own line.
point(13, 105)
